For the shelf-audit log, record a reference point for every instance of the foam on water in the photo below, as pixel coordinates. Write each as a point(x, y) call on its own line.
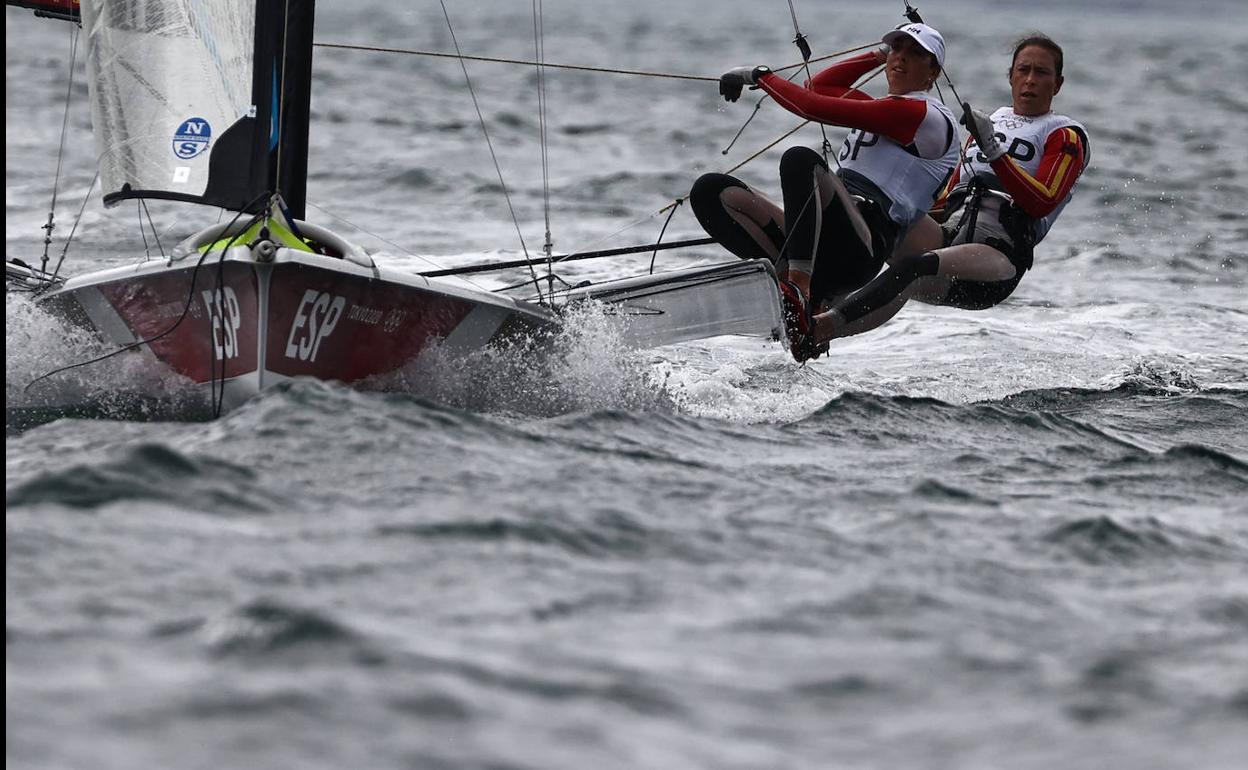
point(38, 343)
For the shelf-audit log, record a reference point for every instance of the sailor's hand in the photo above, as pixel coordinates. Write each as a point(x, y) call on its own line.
point(881, 55)
point(732, 81)
point(980, 127)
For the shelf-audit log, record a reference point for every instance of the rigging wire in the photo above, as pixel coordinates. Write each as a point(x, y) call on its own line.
point(152, 225)
point(541, 66)
point(280, 100)
point(138, 208)
point(74, 229)
point(60, 153)
point(804, 47)
point(497, 168)
point(579, 68)
point(539, 47)
point(912, 14)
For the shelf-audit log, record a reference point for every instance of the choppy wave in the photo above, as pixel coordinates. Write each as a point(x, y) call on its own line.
point(148, 473)
point(1107, 540)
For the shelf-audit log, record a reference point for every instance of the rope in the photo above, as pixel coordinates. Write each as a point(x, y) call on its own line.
point(573, 67)
point(666, 222)
point(490, 144)
point(912, 14)
point(784, 136)
point(804, 47)
point(518, 61)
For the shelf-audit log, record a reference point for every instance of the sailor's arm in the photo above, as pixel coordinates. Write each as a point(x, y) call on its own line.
point(897, 118)
point(838, 79)
point(1065, 154)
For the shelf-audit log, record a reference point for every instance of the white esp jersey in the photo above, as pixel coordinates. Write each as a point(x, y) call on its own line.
point(909, 176)
point(1023, 138)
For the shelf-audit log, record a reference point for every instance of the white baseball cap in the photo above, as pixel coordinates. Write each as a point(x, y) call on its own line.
point(922, 34)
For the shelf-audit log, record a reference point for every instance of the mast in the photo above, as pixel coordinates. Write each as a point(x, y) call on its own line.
point(290, 164)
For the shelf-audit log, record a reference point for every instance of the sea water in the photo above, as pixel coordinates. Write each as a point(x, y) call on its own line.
point(1011, 538)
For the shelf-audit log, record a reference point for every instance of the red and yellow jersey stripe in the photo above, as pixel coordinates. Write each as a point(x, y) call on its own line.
point(1063, 161)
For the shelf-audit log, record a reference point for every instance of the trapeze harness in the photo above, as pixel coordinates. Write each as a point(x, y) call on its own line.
point(1008, 204)
point(892, 165)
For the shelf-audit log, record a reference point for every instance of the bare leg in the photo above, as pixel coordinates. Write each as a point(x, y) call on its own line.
point(926, 235)
point(741, 220)
point(753, 212)
point(880, 300)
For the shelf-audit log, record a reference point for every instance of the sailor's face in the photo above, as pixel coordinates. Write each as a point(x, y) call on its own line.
point(909, 67)
point(1034, 80)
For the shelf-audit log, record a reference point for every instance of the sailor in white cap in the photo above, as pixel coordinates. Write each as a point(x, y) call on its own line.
point(1020, 170)
point(836, 229)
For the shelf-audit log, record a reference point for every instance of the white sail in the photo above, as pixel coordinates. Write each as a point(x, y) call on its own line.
point(167, 78)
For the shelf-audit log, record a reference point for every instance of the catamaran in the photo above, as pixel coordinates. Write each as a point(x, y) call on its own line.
point(207, 102)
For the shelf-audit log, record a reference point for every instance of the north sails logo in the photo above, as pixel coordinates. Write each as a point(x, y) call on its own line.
point(191, 138)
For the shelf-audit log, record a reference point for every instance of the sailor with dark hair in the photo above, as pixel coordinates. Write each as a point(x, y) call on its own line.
point(1021, 166)
point(836, 229)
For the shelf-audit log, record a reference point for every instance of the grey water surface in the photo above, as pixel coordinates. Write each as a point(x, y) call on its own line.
point(1008, 539)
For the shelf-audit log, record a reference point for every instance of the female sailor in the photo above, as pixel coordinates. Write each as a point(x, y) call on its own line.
point(835, 230)
point(1021, 167)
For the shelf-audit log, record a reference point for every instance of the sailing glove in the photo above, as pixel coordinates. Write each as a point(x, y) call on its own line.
point(732, 81)
point(980, 127)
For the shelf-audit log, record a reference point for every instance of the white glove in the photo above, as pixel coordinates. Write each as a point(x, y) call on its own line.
point(980, 127)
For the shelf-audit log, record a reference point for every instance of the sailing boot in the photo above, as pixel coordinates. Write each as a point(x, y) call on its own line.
point(799, 324)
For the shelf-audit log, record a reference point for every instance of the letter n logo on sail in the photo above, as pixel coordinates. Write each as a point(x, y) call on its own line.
point(192, 138)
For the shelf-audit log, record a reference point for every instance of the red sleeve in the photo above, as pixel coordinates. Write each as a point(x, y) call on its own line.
point(895, 117)
point(838, 79)
point(1062, 163)
point(942, 199)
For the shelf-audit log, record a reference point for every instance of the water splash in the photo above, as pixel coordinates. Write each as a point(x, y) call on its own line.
point(128, 386)
point(582, 365)
point(1160, 376)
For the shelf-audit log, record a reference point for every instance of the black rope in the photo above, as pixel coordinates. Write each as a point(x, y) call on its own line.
point(659, 242)
point(550, 278)
point(185, 309)
point(757, 105)
point(468, 269)
point(803, 46)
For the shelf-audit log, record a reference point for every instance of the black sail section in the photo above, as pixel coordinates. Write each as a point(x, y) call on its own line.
point(295, 79)
point(276, 140)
